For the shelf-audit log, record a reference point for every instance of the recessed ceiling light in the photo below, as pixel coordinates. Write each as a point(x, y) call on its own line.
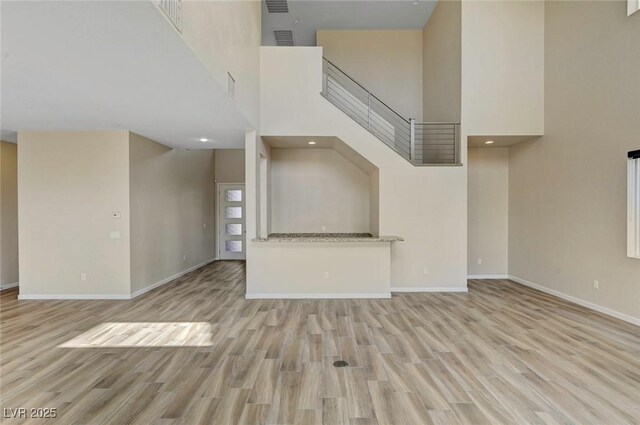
point(312, 142)
point(489, 142)
point(415, 3)
point(203, 139)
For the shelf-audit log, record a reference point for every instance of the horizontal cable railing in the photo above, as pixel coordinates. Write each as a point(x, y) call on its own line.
point(366, 109)
point(435, 142)
point(419, 143)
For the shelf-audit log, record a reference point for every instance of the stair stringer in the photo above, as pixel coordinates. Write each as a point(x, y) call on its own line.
point(427, 206)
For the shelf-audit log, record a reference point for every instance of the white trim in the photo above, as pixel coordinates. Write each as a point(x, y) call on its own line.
point(304, 296)
point(487, 276)
point(8, 286)
point(74, 297)
point(633, 208)
point(429, 289)
point(169, 279)
point(263, 195)
point(581, 302)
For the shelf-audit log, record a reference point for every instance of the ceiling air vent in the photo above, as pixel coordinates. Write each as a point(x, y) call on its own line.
point(284, 37)
point(277, 6)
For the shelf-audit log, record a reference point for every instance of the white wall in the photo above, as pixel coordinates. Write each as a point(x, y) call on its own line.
point(387, 63)
point(254, 147)
point(503, 67)
point(226, 36)
point(374, 202)
point(172, 200)
point(229, 166)
point(312, 188)
point(567, 190)
point(425, 205)
point(488, 217)
point(291, 270)
point(8, 214)
point(441, 63)
point(70, 184)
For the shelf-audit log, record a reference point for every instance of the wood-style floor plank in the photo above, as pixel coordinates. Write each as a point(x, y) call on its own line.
point(196, 352)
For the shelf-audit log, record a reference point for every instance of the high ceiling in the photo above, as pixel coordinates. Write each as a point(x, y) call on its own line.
point(94, 65)
point(91, 65)
point(305, 17)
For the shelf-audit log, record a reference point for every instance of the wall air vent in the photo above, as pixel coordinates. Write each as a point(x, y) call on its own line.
point(277, 6)
point(284, 37)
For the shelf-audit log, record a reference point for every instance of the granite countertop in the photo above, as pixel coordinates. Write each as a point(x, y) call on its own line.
point(326, 237)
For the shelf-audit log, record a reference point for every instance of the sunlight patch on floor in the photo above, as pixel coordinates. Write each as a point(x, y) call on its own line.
point(144, 334)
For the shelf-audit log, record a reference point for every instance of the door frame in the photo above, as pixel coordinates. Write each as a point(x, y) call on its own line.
point(218, 191)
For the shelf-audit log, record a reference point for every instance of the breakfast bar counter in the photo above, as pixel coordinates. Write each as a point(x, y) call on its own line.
point(320, 265)
point(327, 237)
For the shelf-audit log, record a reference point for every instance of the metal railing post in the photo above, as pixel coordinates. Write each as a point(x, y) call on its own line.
point(325, 73)
point(412, 153)
point(369, 110)
point(456, 147)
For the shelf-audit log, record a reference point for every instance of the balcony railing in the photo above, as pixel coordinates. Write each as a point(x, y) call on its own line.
point(435, 142)
point(419, 143)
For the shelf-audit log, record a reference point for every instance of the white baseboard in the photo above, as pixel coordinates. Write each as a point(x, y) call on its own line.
point(429, 289)
point(74, 297)
point(8, 286)
point(294, 296)
point(487, 276)
point(579, 301)
point(169, 279)
point(111, 296)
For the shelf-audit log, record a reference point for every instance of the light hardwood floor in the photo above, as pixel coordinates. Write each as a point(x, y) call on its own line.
point(195, 351)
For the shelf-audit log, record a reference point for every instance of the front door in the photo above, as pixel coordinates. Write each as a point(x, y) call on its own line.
point(231, 222)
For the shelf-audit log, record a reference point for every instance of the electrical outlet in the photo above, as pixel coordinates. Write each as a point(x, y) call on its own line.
point(326, 275)
point(324, 228)
point(596, 284)
point(184, 258)
point(204, 225)
point(479, 260)
point(425, 270)
point(83, 276)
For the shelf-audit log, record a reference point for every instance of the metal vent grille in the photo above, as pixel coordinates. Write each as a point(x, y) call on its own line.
point(284, 37)
point(277, 6)
point(173, 10)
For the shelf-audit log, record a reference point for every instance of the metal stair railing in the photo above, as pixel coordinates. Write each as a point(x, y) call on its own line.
point(417, 142)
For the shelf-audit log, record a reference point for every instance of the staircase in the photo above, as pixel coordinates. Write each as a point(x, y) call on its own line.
point(420, 143)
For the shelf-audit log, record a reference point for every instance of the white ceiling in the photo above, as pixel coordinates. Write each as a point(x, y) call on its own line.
point(316, 15)
point(321, 142)
point(93, 65)
point(498, 141)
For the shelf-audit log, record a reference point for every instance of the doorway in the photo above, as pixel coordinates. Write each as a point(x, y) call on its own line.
point(231, 221)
